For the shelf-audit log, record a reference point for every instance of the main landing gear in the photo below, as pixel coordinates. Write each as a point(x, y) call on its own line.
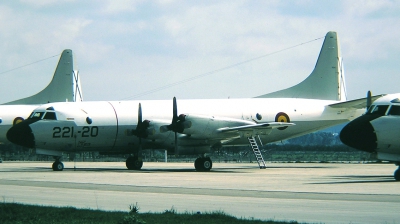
point(57, 165)
point(203, 164)
point(134, 163)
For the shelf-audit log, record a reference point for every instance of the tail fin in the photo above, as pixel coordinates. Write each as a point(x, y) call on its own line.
point(326, 81)
point(62, 86)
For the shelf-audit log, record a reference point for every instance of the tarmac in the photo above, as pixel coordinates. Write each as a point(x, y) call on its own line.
point(302, 192)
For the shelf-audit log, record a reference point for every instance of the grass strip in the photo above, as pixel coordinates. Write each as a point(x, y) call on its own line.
point(20, 213)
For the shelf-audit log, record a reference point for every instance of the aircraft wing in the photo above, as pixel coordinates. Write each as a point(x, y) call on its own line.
point(357, 104)
point(212, 127)
point(256, 127)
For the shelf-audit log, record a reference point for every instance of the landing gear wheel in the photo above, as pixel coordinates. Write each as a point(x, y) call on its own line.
point(197, 164)
point(58, 166)
point(207, 164)
point(397, 174)
point(203, 164)
point(134, 163)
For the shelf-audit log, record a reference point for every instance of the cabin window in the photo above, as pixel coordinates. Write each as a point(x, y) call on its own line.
point(50, 116)
point(394, 110)
point(380, 109)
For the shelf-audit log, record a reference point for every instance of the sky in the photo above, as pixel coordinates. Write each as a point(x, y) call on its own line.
point(134, 49)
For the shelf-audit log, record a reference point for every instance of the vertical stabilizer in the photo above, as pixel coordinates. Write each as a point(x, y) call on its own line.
point(60, 89)
point(326, 81)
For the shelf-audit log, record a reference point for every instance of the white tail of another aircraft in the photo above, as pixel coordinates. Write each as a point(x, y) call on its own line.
point(326, 81)
point(64, 87)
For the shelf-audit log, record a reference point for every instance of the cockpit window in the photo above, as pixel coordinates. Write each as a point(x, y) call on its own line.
point(379, 110)
point(369, 111)
point(50, 116)
point(394, 110)
point(36, 115)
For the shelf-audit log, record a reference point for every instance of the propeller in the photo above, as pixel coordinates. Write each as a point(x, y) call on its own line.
point(177, 125)
point(141, 128)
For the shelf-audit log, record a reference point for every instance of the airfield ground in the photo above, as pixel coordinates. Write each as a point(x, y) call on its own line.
point(305, 192)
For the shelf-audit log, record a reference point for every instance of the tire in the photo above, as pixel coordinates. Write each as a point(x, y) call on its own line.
point(203, 164)
point(58, 166)
point(397, 175)
point(207, 164)
point(133, 163)
point(197, 164)
point(138, 164)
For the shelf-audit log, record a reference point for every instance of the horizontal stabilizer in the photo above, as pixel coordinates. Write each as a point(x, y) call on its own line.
point(357, 104)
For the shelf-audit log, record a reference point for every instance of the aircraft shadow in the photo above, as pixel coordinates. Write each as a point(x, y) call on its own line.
point(304, 167)
point(242, 169)
point(158, 170)
point(353, 179)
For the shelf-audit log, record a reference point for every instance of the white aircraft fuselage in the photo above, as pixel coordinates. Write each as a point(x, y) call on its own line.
point(112, 123)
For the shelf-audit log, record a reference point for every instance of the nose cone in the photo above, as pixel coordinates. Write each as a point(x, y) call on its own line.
point(21, 134)
point(360, 134)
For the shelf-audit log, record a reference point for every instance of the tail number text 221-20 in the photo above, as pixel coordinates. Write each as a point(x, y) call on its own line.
point(68, 132)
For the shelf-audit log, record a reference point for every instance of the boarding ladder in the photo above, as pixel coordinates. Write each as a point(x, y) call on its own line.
point(256, 150)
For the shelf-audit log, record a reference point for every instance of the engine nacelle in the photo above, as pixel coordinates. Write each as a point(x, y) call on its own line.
point(203, 126)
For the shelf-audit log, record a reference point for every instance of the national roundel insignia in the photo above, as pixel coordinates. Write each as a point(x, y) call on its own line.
point(282, 117)
point(17, 120)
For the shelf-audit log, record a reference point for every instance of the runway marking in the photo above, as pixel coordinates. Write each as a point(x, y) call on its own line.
point(210, 192)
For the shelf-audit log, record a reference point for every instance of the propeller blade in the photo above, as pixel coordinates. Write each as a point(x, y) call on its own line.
point(177, 125)
point(369, 101)
point(139, 126)
point(140, 113)
point(174, 123)
point(174, 111)
point(141, 130)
